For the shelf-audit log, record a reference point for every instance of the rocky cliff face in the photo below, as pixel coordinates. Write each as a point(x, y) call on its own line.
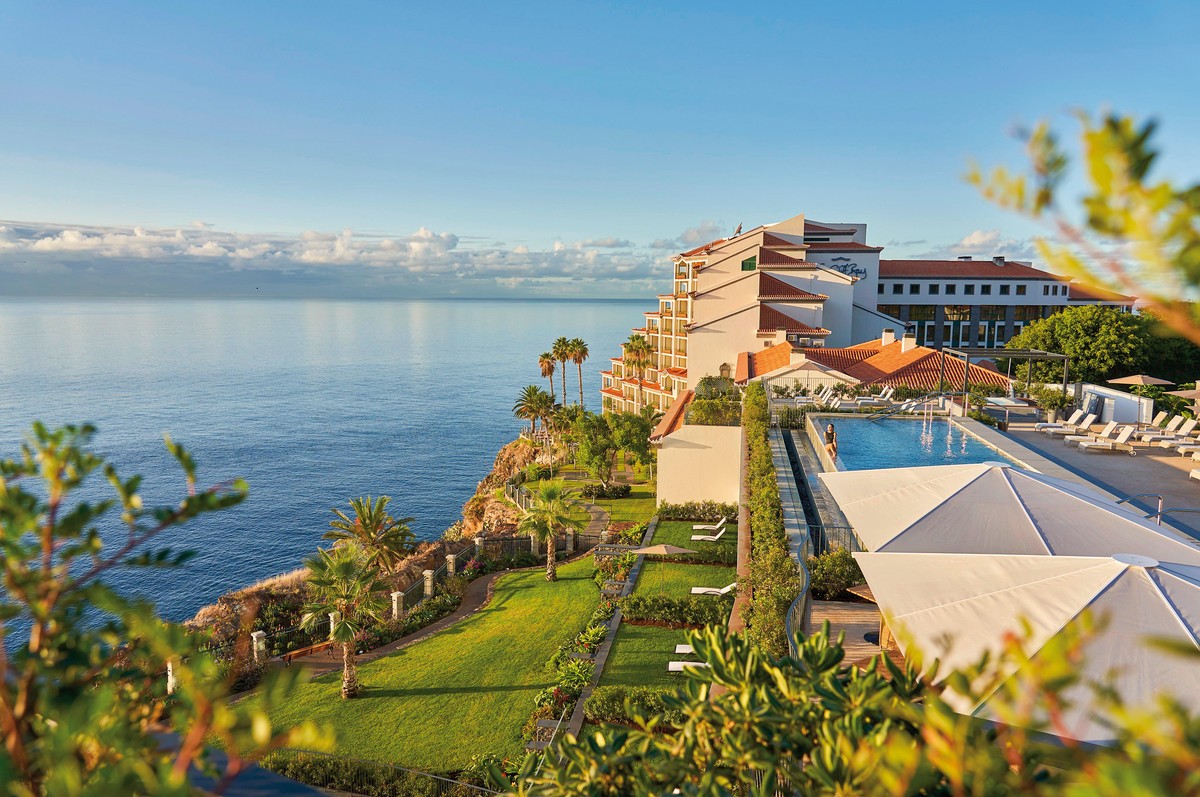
point(510, 459)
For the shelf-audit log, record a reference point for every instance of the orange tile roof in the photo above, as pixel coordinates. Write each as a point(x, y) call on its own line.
point(838, 359)
point(771, 320)
point(741, 373)
point(677, 371)
point(674, 417)
point(757, 363)
point(774, 288)
point(775, 242)
point(646, 383)
point(701, 249)
point(810, 226)
point(919, 367)
point(1089, 293)
point(963, 269)
point(773, 259)
point(844, 246)
point(612, 391)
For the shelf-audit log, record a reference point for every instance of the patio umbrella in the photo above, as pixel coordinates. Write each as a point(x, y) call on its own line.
point(1140, 379)
point(994, 509)
point(956, 607)
point(662, 550)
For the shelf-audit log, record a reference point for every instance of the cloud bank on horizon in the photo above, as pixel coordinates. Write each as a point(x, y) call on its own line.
point(39, 259)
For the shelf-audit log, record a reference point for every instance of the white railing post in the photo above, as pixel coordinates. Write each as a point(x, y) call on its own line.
point(258, 645)
point(334, 619)
point(428, 583)
point(533, 545)
point(397, 605)
point(172, 681)
point(479, 546)
point(451, 560)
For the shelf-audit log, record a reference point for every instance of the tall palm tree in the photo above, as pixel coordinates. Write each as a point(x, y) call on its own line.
point(637, 356)
point(384, 539)
point(343, 582)
point(547, 363)
point(529, 405)
point(550, 513)
point(545, 407)
point(561, 350)
point(579, 353)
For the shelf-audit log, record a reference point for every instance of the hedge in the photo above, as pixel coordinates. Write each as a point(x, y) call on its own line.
point(615, 703)
point(593, 492)
point(711, 511)
point(693, 611)
point(352, 776)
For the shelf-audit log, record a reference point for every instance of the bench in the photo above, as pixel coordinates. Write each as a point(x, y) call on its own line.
point(301, 652)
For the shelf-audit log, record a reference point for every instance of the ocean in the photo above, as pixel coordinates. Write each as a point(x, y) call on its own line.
point(312, 402)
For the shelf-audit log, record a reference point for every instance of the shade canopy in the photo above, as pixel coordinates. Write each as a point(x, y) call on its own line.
point(1188, 394)
point(663, 550)
point(956, 607)
point(995, 509)
point(1140, 379)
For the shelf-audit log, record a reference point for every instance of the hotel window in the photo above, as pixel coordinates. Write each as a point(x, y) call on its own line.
point(921, 312)
point(750, 263)
point(985, 290)
point(914, 288)
point(1004, 290)
point(1020, 290)
point(957, 312)
point(1027, 312)
point(1045, 290)
point(933, 288)
point(897, 288)
point(880, 289)
point(889, 309)
point(991, 312)
point(951, 290)
point(969, 290)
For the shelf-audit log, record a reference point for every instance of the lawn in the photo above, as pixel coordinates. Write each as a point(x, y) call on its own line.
point(640, 654)
point(676, 580)
point(679, 533)
point(464, 691)
point(639, 507)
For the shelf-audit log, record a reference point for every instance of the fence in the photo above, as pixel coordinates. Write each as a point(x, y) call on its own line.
point(834, 538)
point(498, 547)
point(519, 494)
point(801, 608)
point(358, 777)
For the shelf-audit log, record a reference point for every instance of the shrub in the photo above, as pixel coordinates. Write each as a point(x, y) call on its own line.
point(615, 703)
point(351, 776)
point(594, 492)
point(831, 573)
point(604, 612)
point(634, 535)
point(710, 511)
point(690, 612)
point(982, 417)
point(613, 568)
point(242, 674)
point(714, 412)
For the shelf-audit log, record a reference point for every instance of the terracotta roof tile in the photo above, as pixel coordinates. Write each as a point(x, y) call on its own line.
point(741, 374)
point(677, 371)
point(838, 359)
point(845, 246)
point(919, 367)
point(962, 269)
point(773, 288)
point(770, 258)
point(771, 320)
point(775, 242)
point(812, 226)
point(763, 362)
point(612, 391)
point(674, 417)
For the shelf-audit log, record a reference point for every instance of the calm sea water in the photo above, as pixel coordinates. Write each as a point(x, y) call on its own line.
point(312, 402)
point(904, 442)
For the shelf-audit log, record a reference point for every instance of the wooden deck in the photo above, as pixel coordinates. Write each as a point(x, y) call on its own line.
point(857, 620)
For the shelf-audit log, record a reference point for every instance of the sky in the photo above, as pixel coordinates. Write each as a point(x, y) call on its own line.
point(512, 149)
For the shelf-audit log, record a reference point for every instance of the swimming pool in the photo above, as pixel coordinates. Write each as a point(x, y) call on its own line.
point(905, 442)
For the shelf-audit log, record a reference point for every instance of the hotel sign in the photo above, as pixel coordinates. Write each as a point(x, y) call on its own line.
point(848, 267)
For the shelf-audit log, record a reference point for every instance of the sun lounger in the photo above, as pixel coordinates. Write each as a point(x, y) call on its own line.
point(1079, 428)
point(677, 666)
point(683, 650)
point(714, 590)
point(1107, 434)
point(1182, 437)
point(1195, 474)
point(710, 526)
point(1175, 423)
point(1121, 443)
point(1158, 421)
point(1074, 419)
point(710, 537)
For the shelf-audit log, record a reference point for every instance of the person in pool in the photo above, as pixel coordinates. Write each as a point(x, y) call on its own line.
point(831, 441)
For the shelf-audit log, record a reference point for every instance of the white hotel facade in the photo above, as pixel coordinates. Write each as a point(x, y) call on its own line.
point(812, 285)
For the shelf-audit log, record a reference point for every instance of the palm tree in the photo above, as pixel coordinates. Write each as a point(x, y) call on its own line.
point(384, 539)
point(637, 357)
point(343, 583)
point(529, 405)
point(547, 363)
point(561, 350)
point(545, 407)
point(579, 353)
point(550, 513)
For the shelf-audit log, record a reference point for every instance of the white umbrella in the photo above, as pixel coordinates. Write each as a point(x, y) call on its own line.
point(955, 607)
point(996, 509)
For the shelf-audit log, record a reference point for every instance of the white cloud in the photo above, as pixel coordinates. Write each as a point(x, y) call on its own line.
point(692, 237)
point(982, 243)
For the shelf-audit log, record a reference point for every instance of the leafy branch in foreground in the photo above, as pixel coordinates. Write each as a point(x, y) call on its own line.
point(83, 694)
point(1137, 236)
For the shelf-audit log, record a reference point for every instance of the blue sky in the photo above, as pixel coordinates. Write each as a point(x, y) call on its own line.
point(530, 146)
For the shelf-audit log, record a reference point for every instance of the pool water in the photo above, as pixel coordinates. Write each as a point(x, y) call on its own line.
point(903, 442)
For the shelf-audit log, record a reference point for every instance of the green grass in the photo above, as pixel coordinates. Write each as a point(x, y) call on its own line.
point(676, 580)
point(679, 533)
point(640, 654)
point(464, 691)
point(639, 507)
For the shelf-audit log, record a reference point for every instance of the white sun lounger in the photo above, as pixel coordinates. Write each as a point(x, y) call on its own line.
point(1158, 421)
point(714, 590)
point(1078, 428)
point(677, 666)
point(1075, 416)
point(1195, 474)
point(683, 650)
point(1107, 434)
point(1175, 423)
point(710, 537)
point(711, 526)
point(1121, 443)
point(1181, 438)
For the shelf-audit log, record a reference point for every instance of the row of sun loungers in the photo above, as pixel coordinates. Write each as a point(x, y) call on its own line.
point(826, 398)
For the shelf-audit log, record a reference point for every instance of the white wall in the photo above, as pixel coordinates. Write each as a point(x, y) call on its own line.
point(1120, 406)
point(700, 463)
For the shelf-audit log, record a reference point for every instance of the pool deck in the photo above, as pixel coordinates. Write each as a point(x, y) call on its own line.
point(856, 620)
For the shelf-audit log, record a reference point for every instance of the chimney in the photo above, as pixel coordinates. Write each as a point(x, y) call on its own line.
point(998, 260)
point(908, 342)
point(888, 337)
point(964, 257)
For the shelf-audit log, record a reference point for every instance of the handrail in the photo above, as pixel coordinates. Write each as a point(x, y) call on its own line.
point(1174, 509)
point(928, 397)
point(1147, 495)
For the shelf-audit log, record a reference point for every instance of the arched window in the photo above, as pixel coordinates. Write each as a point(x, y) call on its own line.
point(725, 371)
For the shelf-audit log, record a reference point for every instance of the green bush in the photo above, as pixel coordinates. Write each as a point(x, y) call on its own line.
point(369, 778)
point(594, 492)
point(615, 703)
point(690, 612)
point(714, 412)
point(982, 417)
point(708, 511)
point(634, 535)
point(423, 614)
point(831, 573)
